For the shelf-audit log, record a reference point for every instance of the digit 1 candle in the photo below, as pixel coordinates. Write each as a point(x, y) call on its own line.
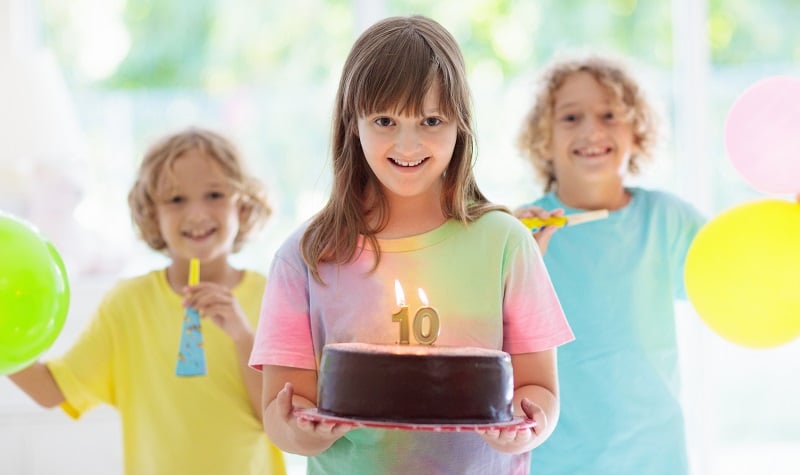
point(429, 314)
point(191, 356)
point(402, 315)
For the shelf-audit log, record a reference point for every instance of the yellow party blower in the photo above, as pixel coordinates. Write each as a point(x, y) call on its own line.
point(191, 356)
point(534, 224)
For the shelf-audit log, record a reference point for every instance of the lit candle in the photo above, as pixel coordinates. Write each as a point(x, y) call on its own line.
point(426, 313)
point(402, 315)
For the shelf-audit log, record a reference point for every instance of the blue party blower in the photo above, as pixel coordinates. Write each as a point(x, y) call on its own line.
point(191, 356)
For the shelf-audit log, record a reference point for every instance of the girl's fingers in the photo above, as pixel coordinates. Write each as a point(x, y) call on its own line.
point(284, 401)
point(535, 413)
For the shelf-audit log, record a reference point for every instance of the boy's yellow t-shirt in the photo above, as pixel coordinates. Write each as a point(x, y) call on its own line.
point(126, 357)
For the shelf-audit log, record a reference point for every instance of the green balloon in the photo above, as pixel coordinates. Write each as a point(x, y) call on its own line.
point(34, 294)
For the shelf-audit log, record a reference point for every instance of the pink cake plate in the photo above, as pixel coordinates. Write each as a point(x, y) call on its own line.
point(517, 423)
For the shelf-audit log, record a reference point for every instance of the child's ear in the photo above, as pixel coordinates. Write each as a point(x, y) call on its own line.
point(549, 154)
point(636, 147)
point(245, 209)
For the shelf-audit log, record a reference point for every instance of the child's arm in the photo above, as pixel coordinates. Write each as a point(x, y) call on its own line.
point(252, 381)
point(217, 303)
point(543, 235)
point(38, 383)
point(286, 389)
point(535, 397)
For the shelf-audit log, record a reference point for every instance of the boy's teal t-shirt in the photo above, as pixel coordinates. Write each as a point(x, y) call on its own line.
point(617, 280)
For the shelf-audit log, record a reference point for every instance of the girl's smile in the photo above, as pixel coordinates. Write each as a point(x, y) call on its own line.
point(409, 154)
point(406, 164)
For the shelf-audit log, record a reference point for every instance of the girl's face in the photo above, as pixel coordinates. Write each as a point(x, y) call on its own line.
point(197, 209)
point(590, 141)
point(409, 154)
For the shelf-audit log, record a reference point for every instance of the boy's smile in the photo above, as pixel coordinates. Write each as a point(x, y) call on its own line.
point(197, 211)
point(591, 140)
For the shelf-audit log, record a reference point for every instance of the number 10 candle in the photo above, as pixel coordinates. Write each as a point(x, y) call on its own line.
point(425, 314)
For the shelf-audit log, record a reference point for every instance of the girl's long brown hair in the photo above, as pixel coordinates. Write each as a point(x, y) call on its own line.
point(391, 66)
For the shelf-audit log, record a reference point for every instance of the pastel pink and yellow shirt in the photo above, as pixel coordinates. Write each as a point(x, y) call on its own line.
point(490, 289)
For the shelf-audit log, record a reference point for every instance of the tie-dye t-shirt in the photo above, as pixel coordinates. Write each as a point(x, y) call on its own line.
point(489, 286)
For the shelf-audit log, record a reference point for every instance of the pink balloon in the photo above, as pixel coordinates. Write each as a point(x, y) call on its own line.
point(762, 134)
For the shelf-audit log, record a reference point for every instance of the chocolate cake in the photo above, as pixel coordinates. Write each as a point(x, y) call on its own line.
point(415, 384)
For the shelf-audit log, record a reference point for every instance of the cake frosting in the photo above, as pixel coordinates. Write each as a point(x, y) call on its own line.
point(415, 384)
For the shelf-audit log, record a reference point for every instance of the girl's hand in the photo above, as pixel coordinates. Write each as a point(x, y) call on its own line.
point(544, 234)
point(515, 441)
point(308, 433)
point(216, 302)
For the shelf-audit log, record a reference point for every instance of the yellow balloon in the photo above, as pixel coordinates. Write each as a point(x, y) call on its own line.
point(743, 273)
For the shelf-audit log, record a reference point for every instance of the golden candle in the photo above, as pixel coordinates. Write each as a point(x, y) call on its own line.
point(402, 315)
point(428, 314)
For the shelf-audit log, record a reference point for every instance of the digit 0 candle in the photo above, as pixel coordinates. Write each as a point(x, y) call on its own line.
point(426, 314)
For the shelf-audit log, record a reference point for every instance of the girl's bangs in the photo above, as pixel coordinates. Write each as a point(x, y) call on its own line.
point(398, 80)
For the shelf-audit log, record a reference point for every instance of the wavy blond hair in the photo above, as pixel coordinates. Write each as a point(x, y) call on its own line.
point(159, 160)
point(611, 73)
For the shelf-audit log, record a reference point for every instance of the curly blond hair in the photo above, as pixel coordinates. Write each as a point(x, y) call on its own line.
point(160, 159)
point(534, 139)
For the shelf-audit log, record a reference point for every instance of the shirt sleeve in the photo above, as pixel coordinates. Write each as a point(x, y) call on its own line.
point(283, 336)
point(689, 223)
point(532, 314)
point(84, 372)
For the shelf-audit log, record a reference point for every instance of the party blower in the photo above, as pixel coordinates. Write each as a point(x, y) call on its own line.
point(191, 356)
point(534, 224)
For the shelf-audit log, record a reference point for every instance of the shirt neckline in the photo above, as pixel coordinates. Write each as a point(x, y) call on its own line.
point(416, 242)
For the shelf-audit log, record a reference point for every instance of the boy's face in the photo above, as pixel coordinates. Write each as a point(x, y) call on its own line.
point(197, 209)
point(409, 154)
point(590, 141)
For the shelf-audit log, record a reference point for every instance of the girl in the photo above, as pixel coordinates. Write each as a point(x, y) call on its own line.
point(405, 206)
point(192, 199)
point(589, 127)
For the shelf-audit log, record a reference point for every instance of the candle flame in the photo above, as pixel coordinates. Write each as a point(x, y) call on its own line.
point(422, 297)
point(399, 294)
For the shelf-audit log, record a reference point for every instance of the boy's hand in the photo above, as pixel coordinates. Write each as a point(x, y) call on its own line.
point(216, 302)
point(544, 234)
